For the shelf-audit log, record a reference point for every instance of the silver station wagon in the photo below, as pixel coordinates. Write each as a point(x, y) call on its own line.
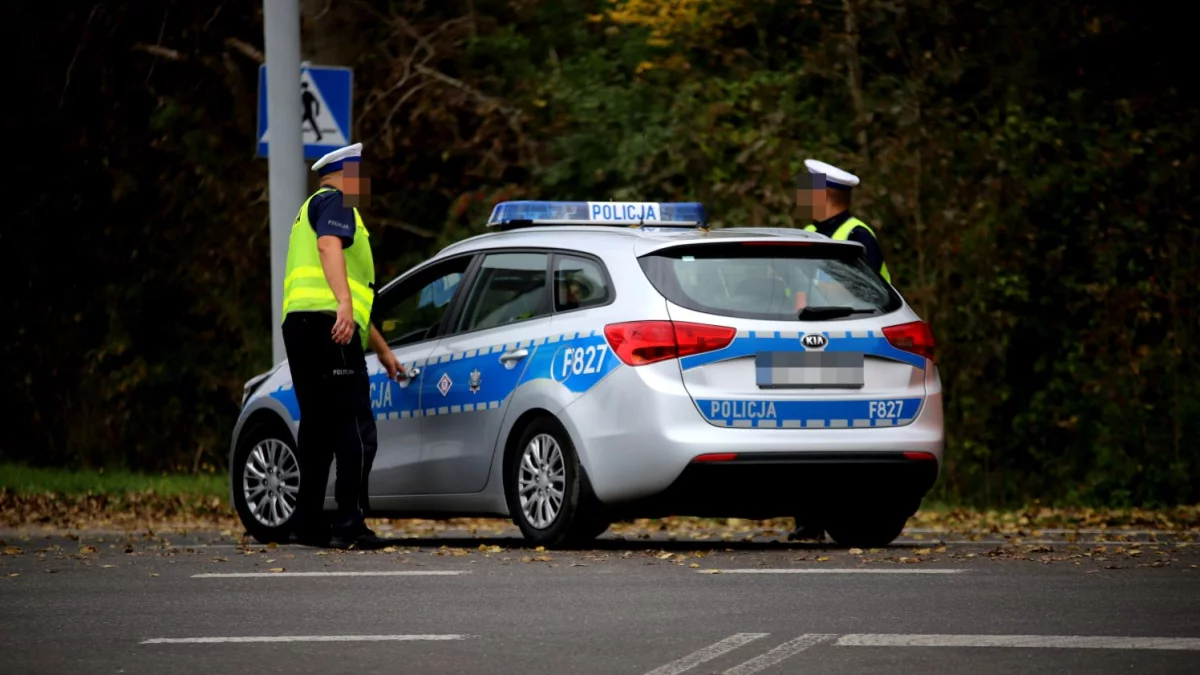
point(588, 362)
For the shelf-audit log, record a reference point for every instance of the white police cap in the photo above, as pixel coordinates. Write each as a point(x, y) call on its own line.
point(835, 178)
point(334, 160)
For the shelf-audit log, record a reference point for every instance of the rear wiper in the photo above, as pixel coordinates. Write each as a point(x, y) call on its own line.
point(830, 312)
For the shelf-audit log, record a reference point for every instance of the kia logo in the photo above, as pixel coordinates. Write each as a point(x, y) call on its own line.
point(814, 341)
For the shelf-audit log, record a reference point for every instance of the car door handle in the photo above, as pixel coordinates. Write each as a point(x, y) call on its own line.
point(512, 357)
point(409, 376)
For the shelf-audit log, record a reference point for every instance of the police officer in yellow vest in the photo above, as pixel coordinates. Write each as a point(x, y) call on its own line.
point(825, 194)
point(328, 292)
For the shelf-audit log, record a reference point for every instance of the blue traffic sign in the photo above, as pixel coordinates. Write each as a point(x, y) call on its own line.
point(325, 107)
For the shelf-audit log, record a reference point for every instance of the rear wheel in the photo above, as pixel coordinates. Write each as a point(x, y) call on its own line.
point(868, 528)
point(265, 478)
point(547, 492)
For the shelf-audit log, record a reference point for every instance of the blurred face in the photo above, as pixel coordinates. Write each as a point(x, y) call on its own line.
point(812, 203)
point(356, 185)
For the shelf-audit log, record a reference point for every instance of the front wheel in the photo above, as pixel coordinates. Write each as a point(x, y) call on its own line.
point(265, 478)
point(547, 491)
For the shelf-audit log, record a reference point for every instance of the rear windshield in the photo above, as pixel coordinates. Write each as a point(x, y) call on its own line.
point(771, 281)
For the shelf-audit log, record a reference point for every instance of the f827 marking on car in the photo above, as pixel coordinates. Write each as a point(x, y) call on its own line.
point(885, 409)
point(583, 360)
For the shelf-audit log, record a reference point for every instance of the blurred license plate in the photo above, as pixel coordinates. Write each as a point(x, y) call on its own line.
point(809, 370)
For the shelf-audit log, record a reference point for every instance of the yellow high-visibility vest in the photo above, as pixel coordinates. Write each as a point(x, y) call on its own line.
point(304, 286)
point(843, 233)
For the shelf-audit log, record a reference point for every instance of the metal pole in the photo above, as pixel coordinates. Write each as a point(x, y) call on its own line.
point(285, 164)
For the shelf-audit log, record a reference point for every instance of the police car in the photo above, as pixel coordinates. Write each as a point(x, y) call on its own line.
point(587, 362)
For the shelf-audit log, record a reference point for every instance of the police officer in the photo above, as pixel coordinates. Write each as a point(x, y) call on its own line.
point(328, 293)
point(825, 193)
point(824, 196)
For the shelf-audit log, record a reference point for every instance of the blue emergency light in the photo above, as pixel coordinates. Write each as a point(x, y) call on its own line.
point(618, 214)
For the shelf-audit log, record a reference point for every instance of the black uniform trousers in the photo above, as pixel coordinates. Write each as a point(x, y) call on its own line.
point(334, 393)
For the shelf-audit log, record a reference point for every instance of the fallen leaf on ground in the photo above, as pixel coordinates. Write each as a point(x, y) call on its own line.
point(105, 567)
point(694, 565)
point(823, 558)
point(276, 569)
point(855, 551)
point(220, 559)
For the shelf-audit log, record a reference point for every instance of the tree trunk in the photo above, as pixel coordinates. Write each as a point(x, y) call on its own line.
point(854, 80)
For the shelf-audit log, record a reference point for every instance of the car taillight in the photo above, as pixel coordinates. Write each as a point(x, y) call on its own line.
point(638, 343)
point(915, 337)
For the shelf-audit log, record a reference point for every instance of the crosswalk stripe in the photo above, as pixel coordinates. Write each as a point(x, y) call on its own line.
point(706, 654)
point(779, 654)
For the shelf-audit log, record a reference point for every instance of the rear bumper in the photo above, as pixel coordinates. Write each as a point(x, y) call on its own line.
point(638, 430)
point(767, 485)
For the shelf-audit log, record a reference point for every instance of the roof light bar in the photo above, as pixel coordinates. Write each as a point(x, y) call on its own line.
point(611, 214)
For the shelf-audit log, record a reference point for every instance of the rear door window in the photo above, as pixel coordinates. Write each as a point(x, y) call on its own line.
point(509, 287)
point(771, 281)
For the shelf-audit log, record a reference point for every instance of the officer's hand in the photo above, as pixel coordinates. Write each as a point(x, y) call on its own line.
point(389, 362)
point(343, 327)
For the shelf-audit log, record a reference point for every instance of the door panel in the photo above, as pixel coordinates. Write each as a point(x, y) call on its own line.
point(471, 373)
point(409, 315)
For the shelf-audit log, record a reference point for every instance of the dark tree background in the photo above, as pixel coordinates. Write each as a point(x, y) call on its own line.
point(1030, 167)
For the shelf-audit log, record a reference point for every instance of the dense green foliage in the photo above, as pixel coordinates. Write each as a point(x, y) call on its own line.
point(1028, 166)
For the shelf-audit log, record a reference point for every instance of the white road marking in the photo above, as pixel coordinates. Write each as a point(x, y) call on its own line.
point(836, 570)
point(778, 654)
point(403, 573)
point(1025, 641)
point(707, 654)
point(303, 638)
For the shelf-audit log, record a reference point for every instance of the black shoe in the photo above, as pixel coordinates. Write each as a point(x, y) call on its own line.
point(361, 538)
point(309, 537)
point(807, 533)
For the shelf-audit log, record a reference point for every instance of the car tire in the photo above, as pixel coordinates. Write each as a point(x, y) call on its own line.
point(867, 529)
point(541, 465)
point(266, 505)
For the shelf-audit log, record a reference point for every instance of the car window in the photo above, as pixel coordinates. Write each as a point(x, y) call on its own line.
point(773, 282)
point(509, 287)
point(411, 311)
point(578, 283)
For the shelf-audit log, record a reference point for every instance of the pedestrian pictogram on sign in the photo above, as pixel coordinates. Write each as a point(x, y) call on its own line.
point(324, 108)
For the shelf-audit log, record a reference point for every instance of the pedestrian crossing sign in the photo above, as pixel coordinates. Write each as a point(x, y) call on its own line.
point(325, 107)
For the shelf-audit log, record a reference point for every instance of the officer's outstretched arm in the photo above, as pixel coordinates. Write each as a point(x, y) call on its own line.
point(376, 341)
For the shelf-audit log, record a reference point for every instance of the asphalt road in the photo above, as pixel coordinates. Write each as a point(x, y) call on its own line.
point(458, 604)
